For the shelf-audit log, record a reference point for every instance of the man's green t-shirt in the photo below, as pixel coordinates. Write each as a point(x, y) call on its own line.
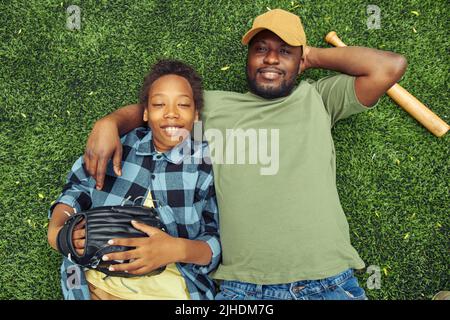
point(281, 220)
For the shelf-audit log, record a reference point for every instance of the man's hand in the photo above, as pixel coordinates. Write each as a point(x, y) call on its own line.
point(156, 250)
point(103, 144)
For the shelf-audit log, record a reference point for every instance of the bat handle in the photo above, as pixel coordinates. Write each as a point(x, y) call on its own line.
point(418, 110)
point(333, 39)
point(405, 100)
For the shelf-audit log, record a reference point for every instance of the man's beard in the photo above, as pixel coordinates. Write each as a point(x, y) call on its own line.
point(284, 89)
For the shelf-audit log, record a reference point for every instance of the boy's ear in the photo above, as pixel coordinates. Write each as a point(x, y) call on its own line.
point(145, 117)
point(196, 116)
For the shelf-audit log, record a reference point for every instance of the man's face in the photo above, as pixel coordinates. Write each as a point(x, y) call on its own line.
point(170, 112)
point(272, 65)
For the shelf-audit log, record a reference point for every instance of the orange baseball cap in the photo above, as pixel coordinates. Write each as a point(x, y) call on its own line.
point(286, 25)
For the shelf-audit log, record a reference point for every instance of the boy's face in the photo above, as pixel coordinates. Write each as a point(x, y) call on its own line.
point(170, 112)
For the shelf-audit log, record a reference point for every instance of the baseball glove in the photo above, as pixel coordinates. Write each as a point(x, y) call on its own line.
point(103, 224)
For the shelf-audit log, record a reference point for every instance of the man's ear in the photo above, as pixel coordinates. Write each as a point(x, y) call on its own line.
point(305, 59)
point(300, 67)
point(301, 62)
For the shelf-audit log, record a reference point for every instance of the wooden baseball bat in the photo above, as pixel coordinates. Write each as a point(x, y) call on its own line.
point(406, 100)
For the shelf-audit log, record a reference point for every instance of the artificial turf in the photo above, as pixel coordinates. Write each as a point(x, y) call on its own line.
point(392, 174)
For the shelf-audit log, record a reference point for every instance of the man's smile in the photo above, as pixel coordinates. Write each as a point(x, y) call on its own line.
point(270, 73)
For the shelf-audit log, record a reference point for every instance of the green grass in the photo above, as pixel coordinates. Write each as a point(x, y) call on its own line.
point(393, 175)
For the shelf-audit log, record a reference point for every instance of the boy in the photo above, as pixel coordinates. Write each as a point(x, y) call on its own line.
point(163, 168)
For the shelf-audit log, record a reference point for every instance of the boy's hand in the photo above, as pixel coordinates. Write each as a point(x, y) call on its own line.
point(156, 250)
point(103, 144)
point(78, 237)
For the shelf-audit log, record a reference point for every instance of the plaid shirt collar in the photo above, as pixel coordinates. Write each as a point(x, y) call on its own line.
point(176, 155)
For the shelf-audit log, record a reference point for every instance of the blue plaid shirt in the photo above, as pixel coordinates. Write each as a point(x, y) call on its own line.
point(181, 183)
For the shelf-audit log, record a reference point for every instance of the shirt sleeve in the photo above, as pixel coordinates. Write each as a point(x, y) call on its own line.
point(339, 96)
point(77, 191)
point(210, 227)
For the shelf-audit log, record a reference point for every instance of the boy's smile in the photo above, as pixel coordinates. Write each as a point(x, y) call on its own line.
point(170, 112)
point(171, 130)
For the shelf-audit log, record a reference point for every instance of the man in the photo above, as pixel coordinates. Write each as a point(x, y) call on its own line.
point(284, 235)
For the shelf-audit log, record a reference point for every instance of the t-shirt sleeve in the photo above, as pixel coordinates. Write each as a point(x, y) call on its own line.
point(339, 96)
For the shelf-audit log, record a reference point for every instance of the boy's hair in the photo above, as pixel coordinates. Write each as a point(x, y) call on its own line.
point(165, 67)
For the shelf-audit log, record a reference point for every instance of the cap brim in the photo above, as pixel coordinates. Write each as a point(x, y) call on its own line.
point(252, 32)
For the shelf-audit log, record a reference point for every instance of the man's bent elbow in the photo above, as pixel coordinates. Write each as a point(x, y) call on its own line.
point(398, 67)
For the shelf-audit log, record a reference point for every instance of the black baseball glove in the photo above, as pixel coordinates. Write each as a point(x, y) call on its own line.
point(103, 224)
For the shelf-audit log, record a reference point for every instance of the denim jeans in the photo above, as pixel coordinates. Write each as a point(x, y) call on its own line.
point(343, 286)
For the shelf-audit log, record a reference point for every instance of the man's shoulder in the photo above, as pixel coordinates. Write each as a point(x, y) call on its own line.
point(310, 84)
point(331, 83)
point(304, 86)
point(333, 80)
point(215, 99)
point(211, 94)
point(309, 81)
